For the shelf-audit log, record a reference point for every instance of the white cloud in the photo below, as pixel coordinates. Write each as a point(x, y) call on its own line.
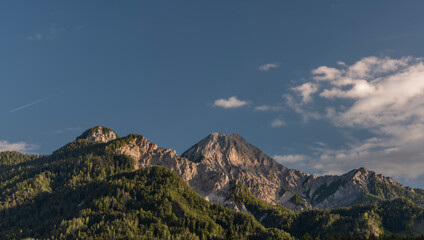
point(306, 90)
point(300, 108)
point(231, 102)
point(18, 146)
point(37, 36)
point(264, 108)
point(268, 66)
point(325, 73)
point(382, 95)
point(283, 159)
point(277, 123)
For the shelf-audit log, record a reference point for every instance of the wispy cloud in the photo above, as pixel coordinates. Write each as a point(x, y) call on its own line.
point(264, 108)
point(37, 36)
point(323, 144)
point(300, 108)
point(28, 105)
point(53, 29)
point(49, 33)
point(341, 63)
point(283, 159)
point(18, 146)
point(268, 66)
point(231, 102)
point(277, 123)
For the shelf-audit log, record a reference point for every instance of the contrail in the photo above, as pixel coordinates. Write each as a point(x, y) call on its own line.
point(29, 104)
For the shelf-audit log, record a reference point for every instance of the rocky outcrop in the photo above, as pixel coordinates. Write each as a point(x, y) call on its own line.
point(99, 134)
point(147, 154)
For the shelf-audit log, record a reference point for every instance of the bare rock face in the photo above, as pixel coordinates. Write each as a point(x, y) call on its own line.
point(226, 157)
point(147, 154)
point(99, 134)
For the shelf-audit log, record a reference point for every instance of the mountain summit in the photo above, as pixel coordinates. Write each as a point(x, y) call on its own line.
point(230, 149)
point(99, 134)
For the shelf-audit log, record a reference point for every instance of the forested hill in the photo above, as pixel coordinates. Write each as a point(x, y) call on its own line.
point(86, 190)
point(93, 194)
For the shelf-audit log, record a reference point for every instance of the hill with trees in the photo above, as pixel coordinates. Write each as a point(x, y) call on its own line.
point(89, 189)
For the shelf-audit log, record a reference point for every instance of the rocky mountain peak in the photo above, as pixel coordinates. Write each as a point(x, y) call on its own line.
point(363, 177)
point(223, 158)
point(361, 173)
point(228, 149)
point(99, 134)
point(222, 141)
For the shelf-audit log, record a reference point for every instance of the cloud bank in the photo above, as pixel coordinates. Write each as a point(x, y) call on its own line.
point(18, 146)
point(384, 96)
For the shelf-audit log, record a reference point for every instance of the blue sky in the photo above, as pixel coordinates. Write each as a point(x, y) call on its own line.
point(324, 86)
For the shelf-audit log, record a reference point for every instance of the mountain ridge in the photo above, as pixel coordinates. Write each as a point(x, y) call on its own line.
point(212, 165)
point(91, 188)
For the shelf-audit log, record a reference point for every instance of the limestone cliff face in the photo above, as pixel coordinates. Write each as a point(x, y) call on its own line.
point(213, 165)
point(147, 154)
point(227, 157)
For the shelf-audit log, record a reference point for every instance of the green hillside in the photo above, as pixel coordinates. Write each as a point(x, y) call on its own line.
point(392, 219)
point(85, 191)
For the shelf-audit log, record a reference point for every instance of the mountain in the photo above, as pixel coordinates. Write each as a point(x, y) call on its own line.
point(212, 166)
point(102, 186)
point(85, 190)
point(230, 157)
point(212, 175)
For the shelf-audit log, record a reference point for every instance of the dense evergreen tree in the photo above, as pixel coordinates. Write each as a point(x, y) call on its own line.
point(396, 218)
point(85, 191)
